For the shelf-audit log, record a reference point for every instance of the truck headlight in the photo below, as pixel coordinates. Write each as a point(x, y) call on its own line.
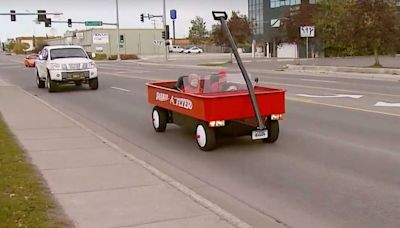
point(55, 66)
point(91, 65)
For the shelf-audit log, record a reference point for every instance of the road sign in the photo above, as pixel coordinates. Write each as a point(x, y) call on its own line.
point(172, 14)
point(307, 31)
point(100, 38)
point(158, 42)
point(93, 23)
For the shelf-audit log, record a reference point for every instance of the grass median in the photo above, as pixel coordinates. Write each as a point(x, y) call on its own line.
point(24, 199)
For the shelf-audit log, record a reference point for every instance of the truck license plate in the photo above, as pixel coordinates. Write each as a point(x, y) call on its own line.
point(76, 76)
point(259, 134)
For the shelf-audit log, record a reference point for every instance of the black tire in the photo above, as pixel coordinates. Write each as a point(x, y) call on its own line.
point(160, 119)
point(40, 83)
point(78, 83)
point(273, 131)
point(51, 85)
point(94, 83)
point(205, 137)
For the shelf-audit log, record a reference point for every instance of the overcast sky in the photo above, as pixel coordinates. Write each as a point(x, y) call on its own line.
point(105, 10)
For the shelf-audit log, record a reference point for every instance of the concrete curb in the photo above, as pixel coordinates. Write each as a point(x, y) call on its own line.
point(367, 70)
point(231, 219)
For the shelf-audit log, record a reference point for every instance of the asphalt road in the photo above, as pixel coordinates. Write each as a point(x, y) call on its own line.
point(336, 163)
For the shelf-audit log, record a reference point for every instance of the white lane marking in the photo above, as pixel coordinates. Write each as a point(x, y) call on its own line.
point(329, 89)
point(331, 96)
point(117, 88)
point(313, 80)
point(340, 106)
point(386, 104)
point(4, 83)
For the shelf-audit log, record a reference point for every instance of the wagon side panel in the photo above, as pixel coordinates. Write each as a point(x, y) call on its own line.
point(176, 101)
point(240, 106)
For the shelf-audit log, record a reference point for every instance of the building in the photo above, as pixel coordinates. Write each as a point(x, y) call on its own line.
point(32, 41)
point(99, 40)
point(266, 15)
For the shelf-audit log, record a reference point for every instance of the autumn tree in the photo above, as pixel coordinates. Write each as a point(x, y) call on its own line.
point(198, 32)
point(375, 26)
point(295, 17)
point(240, 29)
point(20, 48)
point(10, 45)
point(332, 24)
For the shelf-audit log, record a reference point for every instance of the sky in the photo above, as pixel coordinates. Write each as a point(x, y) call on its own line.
point(105, 10)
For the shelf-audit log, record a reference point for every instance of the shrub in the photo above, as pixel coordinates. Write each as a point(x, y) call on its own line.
point(112, 57)
point(100, 56)
point(128, 56)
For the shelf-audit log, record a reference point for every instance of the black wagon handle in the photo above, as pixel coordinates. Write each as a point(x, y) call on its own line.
point(222, 16)
point(218, 15)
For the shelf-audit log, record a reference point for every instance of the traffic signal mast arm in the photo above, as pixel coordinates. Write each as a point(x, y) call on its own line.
point(148, 16)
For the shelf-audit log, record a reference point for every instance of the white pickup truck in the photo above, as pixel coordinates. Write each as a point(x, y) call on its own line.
point(65, 64)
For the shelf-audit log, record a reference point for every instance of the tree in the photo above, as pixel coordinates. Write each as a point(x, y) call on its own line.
point(20, 48)
point(375, 25)
point(10, 45)
point(39, 45)
point(358, 27)
point(332, 25)
point(240, 28)
point(294, 18)
point(198, 32)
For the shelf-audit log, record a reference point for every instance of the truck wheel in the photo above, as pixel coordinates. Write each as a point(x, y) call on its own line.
point(40, 84)
point(51, 85)
point(160, 119)
point(273, 131)
point(78, 83)
point(94, 83)
point(205, 137)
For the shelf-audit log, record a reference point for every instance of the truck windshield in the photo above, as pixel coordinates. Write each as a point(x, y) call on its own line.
point(67, 53)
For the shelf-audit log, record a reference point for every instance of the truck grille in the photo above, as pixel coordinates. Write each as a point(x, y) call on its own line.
point(75, 75)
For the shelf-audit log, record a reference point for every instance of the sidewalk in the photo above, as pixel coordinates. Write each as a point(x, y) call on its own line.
point(95, 182)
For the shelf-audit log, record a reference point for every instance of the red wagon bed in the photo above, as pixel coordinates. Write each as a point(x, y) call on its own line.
point(228, 105)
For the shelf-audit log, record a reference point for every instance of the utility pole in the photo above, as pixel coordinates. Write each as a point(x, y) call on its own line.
point(118, 54)
point(165, 23)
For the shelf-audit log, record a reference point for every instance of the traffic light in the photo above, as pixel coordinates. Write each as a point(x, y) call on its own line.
point(163, 35)
point(141, 17)
point(47, 22)
point(69, 23)
point(12, 12)
point(166, 32)
point(121, 38)
point(41, 15)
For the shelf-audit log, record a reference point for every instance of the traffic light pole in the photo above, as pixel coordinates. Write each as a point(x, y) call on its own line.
point(165, 26)
point(118, 37)
point(8, 14)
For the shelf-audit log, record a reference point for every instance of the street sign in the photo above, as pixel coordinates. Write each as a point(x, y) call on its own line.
point(172, 14)
point(100, 38)
point(307, 31)
point(93, 23)
point(158, 42)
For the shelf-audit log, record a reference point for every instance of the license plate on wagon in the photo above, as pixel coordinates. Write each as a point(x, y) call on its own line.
point(259, 134)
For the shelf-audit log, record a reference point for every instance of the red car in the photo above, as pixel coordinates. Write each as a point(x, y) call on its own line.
point(30, 60)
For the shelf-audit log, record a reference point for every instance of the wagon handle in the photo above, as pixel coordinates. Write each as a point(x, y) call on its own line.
point(219, 14)
point(222, 16)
